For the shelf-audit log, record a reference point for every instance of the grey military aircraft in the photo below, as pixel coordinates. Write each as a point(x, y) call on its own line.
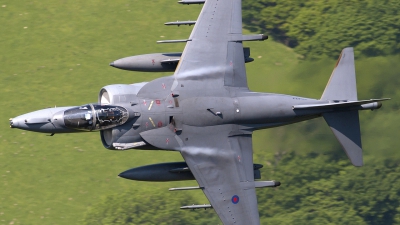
point(206, 112)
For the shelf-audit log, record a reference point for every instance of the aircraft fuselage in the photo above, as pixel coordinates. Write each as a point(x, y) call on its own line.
point(249, 110)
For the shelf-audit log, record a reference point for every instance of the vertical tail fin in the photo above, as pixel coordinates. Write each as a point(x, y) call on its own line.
point(342, 84)
point(345, 125)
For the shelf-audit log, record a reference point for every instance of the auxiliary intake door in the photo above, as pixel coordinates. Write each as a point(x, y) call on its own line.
point(236, 108)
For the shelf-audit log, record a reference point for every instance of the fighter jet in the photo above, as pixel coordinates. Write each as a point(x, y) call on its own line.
point(206, 112)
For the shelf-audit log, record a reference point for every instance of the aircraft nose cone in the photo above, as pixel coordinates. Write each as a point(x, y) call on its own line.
point(40, 121)
point(13, 123)
point(18, 122)
point(112, 64)
point(31, 121)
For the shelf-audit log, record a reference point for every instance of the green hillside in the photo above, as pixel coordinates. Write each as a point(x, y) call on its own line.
point(318, 29)
point(57, 53)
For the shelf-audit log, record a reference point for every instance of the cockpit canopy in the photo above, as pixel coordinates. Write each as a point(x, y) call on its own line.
point(95, 117)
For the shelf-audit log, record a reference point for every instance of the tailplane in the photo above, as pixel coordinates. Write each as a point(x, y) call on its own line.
point(345, 126)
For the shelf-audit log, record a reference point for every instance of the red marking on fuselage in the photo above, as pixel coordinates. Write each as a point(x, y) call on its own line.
point(167, 141)
point(159, 124)
point(152, 61)
point(235, 199)
point(158, 102)
point(163, 86)
point(144, 102)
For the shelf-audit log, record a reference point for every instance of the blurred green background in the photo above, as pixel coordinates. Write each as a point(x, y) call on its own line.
point(57, 53)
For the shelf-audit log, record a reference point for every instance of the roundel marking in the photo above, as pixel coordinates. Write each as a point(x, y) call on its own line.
point(235, 199)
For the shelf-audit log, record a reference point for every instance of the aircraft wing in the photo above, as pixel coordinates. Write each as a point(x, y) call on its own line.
point(214, 51)
point(221, 159)
point(222, 164)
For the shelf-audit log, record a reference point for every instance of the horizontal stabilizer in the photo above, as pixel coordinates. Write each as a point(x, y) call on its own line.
point(346, 127)
point(342, 104)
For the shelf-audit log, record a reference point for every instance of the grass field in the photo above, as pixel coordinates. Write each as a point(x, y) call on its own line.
point(57, 53)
